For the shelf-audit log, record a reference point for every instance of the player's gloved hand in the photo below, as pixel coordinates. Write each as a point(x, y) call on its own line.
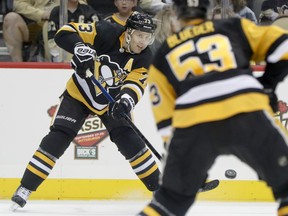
point(83, 59)
point(269, 89)
point(120, 108)
point(273, 99)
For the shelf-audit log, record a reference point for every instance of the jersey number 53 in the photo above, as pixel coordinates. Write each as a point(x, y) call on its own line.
point(217, 47)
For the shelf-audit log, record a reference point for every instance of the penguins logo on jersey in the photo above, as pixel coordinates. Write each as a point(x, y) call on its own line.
point(110, 73)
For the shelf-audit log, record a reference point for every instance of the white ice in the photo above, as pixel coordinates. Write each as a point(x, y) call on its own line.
point(130, 208)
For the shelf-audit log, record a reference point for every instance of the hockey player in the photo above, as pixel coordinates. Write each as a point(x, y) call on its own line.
point(202, 86)
point(121, 66)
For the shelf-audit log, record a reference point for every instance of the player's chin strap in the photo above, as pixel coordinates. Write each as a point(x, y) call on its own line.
point(128, 40)
point(207, 186)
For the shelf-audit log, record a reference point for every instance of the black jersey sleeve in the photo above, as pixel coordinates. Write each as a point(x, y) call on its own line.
point(67, 37)
point(53, 22)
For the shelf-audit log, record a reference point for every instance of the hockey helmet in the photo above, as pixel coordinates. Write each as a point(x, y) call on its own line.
point(140, 21)
point(191, 8)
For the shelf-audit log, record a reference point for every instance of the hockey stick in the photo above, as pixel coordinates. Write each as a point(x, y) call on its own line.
point(126, 117)
point(206, 187)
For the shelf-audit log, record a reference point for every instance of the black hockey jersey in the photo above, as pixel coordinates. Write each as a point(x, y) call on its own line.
point(116, 69)
point(83, 14)
point(202, 74)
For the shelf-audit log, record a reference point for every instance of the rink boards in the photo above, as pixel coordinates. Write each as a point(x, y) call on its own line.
point(91, 168)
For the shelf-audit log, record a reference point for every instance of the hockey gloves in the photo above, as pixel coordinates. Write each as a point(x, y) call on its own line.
point(120, 108)
point(269, 90)
point(83, 59)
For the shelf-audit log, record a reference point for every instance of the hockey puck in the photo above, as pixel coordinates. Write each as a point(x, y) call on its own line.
point(230, 173)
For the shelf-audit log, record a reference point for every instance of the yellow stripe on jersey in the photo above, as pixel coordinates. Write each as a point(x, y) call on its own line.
point(256, 36)
point(45, 158)
point(140, 159)
point(75, 93)
point(148, 172)
point(220, 110)
point(163, 90)
point(36, 172)
point(136, 76)
point(118, 20)
point(67, 28)
point(283, 211)
point(149, 211)
point(86, 31)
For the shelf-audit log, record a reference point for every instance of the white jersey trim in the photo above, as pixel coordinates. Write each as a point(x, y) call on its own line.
point(218, 88)
point(281, 50)
point(85, 87)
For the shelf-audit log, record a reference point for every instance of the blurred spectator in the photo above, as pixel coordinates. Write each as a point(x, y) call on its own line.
point(125, 9)
point(77, 12)
point(216, 11)
point(284, 10)
point(103, 7)
point(6, 6)
point(22, 27)
point(250, 3)
point(269, 12)
point(281, 21)
point(237, 8)
point(283, 7)
point(152, 6)
point(240, 7)
point(167, 24)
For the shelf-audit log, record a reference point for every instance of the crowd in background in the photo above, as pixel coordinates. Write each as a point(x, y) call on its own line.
point(29, 28)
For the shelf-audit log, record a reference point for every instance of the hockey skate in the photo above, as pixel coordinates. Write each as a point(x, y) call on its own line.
point(19, 198)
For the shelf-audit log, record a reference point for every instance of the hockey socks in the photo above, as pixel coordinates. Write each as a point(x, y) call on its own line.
point(145, 167)
point(38, 169)
point(283, 208)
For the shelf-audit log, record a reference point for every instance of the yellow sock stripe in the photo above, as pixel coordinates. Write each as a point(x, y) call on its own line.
point(140, 159)
point(36, 172)
point(283, 211)
point(143, 175)
point(45, 158)
point(150, 211)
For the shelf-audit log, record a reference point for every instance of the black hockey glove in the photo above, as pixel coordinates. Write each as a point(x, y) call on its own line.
point(83, 59)
point(273, 99)
point(120, 108)
point(269, 89)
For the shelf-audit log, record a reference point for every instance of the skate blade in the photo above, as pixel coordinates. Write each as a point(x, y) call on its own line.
point(14, 206)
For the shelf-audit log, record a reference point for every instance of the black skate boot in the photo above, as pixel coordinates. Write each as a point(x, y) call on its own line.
point(19, 198)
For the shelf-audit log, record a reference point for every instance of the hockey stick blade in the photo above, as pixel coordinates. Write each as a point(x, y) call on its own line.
point(209, 185)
